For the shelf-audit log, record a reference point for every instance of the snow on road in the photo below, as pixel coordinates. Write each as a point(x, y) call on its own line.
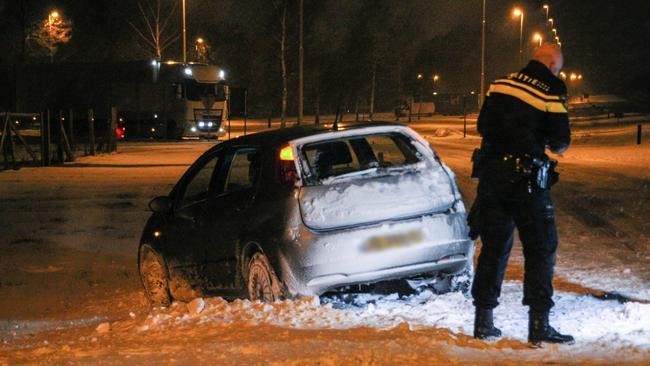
point(67, 265)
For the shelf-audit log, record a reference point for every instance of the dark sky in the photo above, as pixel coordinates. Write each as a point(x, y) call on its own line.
point(607, 41)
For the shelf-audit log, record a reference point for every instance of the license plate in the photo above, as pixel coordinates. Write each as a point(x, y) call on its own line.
point(393, 241)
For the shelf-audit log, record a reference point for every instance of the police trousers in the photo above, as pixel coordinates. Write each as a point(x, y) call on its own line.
point(504, 206)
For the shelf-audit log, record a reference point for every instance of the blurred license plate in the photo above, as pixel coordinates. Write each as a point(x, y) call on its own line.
point(385, 242)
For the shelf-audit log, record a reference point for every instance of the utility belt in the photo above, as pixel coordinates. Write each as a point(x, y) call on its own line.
point(515, 168)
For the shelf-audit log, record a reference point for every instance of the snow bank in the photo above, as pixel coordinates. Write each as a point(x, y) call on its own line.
point(594, 323)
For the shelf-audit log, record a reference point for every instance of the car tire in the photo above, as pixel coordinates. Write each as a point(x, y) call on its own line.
point(261, 283)
point(154, 276)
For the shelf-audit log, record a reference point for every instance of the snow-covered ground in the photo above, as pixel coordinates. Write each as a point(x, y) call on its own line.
point(69, 289)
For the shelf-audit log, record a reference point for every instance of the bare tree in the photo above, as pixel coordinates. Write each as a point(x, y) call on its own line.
point(283, 62)
point(156, 29)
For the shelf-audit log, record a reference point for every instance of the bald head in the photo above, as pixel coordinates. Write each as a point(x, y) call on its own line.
point(550, 54)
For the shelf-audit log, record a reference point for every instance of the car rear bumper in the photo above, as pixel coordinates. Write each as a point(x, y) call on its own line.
point(323, 283)
point(319, 262)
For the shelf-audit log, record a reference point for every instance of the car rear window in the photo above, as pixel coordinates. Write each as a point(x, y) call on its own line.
point(333, 158)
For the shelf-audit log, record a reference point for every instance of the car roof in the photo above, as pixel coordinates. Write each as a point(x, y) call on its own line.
point(281, 136)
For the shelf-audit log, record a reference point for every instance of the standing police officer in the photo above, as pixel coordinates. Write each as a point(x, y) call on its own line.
point(523, 114)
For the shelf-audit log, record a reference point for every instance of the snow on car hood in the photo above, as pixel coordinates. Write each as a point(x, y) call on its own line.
point(370, 199)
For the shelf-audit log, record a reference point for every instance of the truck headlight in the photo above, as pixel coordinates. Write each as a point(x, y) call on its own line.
point(209, 124)
point(201, 124)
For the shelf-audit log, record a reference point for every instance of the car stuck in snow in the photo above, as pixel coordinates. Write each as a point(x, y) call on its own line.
point(307, 210)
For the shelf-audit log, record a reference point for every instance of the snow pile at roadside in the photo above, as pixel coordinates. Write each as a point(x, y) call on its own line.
point(593, 322)
point(353, 202)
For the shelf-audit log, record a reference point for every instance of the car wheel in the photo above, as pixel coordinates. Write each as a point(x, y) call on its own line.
point(153, 273)
point(262, 283)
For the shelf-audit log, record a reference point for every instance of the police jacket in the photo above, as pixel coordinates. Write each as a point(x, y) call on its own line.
point(525, 112)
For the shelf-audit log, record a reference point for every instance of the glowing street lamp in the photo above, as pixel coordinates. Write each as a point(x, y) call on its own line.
point(554, 30)
point(550, 20)
point(538, 38)
point(420, 76)
point(517, 12)
point(51, 18)
point(546, 8)
point(573, 76)
point(435, 79)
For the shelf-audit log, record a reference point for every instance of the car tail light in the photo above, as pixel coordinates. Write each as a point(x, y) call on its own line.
point(288, 173)
point(286, 154)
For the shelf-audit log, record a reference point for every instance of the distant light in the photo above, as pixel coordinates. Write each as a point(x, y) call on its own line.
point(156, 234)
point(155, 115)
point(54, 14)
point(193, 129)
point(472, 92)
point(199, 40)
point(436, 77)
point(188, 71)
point(222, 74)
point(153, 129)
point(33, 118)
point(201, 124)
point(209, 124)
point(573, 76)
point(121, 119)
point(517, 12)
point(435, 93)
point(545, 6)
point(221, 129)
point(154, 63)
point(419, 76)
point(580, 77)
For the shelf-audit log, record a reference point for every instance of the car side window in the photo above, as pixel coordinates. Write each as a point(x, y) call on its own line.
point(197, 188)
point(244, 170)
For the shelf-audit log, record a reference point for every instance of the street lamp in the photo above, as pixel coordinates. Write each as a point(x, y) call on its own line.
point(538, 38)
point(546, 8)
point(550, 20)
point(420, 76)
point(51, 18)
point(517, 12)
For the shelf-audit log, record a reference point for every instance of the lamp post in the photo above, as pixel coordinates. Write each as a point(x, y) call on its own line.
point(520, 13)
point(546, 8)
point(538, 38)
point(482, 95)
point(51, 18)
point(184, 37)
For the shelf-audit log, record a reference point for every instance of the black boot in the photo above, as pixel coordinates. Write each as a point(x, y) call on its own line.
point(484, 325)
point(540, 331)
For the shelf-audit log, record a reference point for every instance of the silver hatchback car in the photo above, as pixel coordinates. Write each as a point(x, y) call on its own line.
point(304, 211)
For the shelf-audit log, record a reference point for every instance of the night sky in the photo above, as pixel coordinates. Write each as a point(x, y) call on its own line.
point(606, 41)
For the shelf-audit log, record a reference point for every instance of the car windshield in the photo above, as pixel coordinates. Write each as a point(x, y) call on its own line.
point(358, 154)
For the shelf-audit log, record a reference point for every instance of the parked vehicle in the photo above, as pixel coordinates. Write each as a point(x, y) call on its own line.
point(304, 211)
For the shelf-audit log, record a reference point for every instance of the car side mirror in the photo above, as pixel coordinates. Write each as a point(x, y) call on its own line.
point(162, 204)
